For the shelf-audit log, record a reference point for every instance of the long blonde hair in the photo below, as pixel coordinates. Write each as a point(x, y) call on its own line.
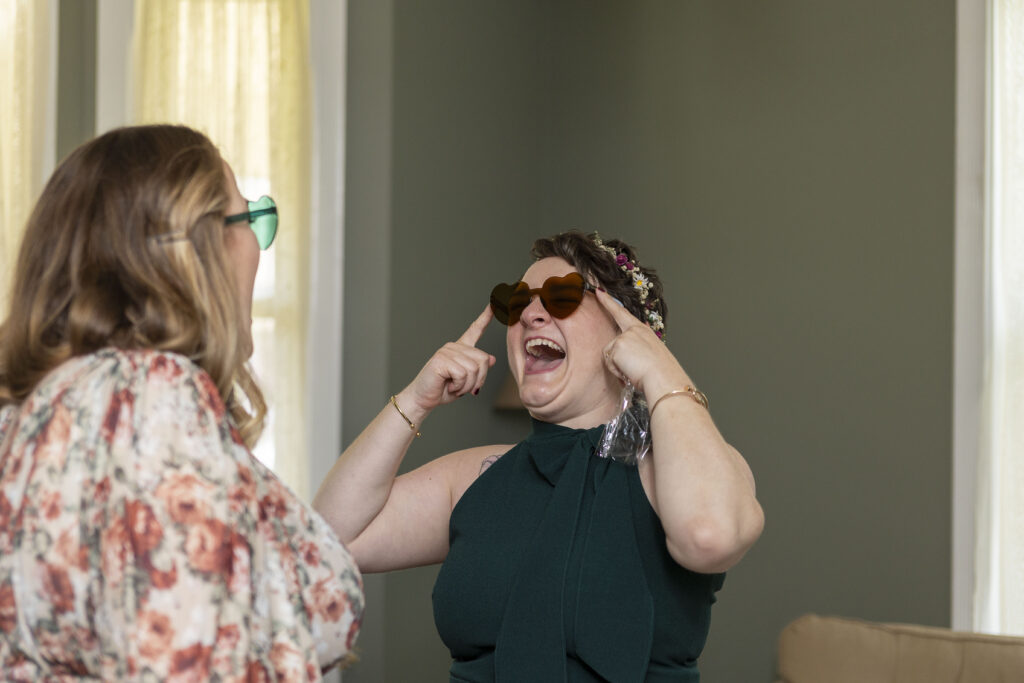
point(125, 248)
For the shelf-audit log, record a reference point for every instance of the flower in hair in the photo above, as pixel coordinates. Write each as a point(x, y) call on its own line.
point(655, 321)
point(626, 266)
point(640, 283)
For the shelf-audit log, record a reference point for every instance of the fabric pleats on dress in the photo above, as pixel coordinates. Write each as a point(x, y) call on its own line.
point(558, 571)
point(614, 612)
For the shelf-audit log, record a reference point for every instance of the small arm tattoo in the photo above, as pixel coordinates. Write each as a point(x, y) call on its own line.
point(488, 461)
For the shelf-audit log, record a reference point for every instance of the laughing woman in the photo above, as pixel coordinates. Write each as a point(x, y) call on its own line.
point(558, 565)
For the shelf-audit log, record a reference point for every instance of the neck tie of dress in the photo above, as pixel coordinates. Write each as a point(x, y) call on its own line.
point(614, 618)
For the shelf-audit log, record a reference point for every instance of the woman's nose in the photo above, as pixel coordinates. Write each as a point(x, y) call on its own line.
point(534, 313)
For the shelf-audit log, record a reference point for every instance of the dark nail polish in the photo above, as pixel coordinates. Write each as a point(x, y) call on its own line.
point(476, 391)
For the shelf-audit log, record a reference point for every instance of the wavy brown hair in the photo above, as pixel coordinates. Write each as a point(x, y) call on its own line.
point(598, 266)
point(125, 248)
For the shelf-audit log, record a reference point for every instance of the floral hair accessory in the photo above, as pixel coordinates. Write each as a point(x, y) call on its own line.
point(640, 284)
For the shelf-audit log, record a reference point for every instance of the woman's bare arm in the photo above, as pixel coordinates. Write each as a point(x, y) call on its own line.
point(411, 529)
point(701, 487)
point(390, 523)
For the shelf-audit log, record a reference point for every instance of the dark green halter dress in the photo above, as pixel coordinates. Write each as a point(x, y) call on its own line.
point(558, 571)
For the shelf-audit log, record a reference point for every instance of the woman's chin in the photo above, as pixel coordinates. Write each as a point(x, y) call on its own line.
point(538, 403)
point(547, 406)
point(539, 389)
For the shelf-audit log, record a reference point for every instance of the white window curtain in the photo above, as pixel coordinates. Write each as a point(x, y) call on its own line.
point(239, 71)
point(26, 122)
point(999, 569)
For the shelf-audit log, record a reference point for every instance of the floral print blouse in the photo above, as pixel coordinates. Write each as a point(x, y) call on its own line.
point(141, 540)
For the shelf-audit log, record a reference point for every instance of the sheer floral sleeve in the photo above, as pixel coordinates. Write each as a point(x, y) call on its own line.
point(140, 539)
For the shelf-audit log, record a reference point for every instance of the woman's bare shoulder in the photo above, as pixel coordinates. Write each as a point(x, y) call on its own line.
point(468, 464)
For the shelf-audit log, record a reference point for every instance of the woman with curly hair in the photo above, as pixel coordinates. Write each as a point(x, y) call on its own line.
point(139, 537)
point(559, 565)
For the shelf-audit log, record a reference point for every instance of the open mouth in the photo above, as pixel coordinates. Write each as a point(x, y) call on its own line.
point(542, 355)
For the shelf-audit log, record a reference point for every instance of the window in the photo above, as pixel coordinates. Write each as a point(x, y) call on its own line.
point(26, 120)
point(999, 600)
point(240, 71)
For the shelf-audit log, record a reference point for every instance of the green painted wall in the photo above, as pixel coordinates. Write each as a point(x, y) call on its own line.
point(787, 167)
point(76, 74)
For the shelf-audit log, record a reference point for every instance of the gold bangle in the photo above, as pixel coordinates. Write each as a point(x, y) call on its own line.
point(694, 393)
point(404, 416)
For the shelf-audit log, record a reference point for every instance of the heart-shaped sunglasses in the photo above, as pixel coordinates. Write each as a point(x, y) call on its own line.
point(559, 295)
point(262, 218)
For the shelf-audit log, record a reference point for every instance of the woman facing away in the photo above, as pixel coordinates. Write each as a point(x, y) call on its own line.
point(139, 537)
point(559, 565)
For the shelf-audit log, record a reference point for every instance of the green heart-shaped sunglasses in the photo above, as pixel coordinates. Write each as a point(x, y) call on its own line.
point(262, 218)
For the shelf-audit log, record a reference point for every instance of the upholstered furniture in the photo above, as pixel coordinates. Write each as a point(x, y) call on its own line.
point(817, 649)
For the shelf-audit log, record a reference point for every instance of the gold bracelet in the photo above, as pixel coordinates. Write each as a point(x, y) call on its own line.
point(694, 393)
point(406, 417)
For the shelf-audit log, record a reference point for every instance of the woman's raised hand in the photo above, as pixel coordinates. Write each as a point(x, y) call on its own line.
point(637, 354)
point(456, 369)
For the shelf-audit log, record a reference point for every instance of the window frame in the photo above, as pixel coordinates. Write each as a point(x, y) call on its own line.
point(973, 51)
point(328, 20)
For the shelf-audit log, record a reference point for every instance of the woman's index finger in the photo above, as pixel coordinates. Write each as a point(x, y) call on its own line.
point(476, 329)
point(618, 311)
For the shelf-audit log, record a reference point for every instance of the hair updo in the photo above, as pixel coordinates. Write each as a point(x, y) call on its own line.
point(613, 265)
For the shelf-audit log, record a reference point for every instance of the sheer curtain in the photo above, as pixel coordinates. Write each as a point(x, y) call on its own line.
point(25, 31)
point(999, 600)
point(239, 71)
